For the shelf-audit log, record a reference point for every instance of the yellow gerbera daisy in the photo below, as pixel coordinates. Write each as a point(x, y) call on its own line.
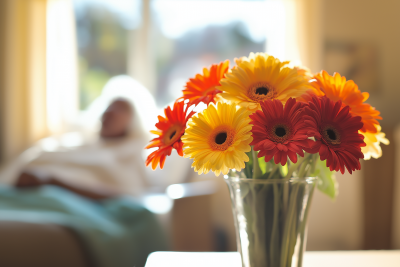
point(253, 56)
point(260, 77)
point(217, 139)
point(373, 140)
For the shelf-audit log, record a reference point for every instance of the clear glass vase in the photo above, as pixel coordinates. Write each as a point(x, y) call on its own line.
point(270, 218)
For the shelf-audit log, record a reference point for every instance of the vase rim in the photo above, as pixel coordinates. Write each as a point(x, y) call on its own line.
point(280, 180)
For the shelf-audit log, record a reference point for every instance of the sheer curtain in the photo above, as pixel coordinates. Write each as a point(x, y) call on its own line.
point(39, 71)
point(294, 31)
point(23, 81)
point(62, 66)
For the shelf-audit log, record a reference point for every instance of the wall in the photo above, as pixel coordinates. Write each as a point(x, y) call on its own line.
point(377, 22)
point(341, 225)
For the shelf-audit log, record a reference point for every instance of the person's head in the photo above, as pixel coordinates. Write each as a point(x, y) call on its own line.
point(116, 119)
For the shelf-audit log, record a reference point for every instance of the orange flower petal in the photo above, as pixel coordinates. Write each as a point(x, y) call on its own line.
point(202, 88)
point(170, 130)
point(337, 88)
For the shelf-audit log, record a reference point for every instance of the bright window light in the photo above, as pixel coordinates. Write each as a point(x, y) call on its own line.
point(158, 203)
point(192, 189)
point(176, 191)
point(199, 14)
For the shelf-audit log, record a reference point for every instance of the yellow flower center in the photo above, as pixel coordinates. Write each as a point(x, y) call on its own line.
point(172, 134)
point(221, 138)
point(331, 135)
point(261, 91)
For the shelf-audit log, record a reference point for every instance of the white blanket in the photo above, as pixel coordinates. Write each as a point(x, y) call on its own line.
point(117, 164)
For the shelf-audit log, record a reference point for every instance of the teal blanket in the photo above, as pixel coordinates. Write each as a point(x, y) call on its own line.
point(118, 232)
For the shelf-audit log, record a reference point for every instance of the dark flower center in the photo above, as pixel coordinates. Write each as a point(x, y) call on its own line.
point(221, 138)
point(280, 131)
point(172, 135)
point(262, 90)
point(331, 134)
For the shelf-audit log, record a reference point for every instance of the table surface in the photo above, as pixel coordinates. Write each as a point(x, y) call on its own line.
point(369, 258)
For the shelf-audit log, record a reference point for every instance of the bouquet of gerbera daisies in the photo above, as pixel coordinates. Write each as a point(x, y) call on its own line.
point(267, 119)
point(268, 126)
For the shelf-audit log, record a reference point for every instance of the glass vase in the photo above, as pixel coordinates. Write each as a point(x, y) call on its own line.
point(270, 218)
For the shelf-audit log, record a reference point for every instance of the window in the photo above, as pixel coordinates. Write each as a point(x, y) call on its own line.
point(103, 29)
point(162, 43)
point(190, 35)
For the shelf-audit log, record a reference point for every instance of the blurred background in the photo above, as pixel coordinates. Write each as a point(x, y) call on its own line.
point(57, 58)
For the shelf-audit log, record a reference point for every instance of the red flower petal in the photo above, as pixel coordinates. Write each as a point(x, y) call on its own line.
point(280, 132)
point(336, 133)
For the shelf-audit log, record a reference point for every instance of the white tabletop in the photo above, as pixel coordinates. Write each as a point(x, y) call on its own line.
point(369, 258)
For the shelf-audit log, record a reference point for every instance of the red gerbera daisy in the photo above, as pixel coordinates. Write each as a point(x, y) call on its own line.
point(170, 130)
point(336, 133)
point(280, 131)
point(337, 88)
point(202, 88)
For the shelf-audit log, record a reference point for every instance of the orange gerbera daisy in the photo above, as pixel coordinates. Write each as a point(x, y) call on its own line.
point(337, 88)
point(170, 130)
point(202, 88)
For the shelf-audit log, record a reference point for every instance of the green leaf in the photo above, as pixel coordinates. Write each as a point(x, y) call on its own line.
point(327, 183)
point(262, 164)
point(283, 169)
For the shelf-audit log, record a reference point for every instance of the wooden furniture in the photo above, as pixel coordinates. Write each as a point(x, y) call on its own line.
point(35, 244)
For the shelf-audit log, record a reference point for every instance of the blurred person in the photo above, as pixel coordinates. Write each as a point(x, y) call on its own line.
point(105, 159)
point(114, 133)
point(94, 186)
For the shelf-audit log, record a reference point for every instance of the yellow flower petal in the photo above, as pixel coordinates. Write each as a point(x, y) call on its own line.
point(260, 77)
point(217, 138)
point(372, 141)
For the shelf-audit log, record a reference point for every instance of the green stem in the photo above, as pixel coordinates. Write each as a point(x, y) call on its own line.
point(288, 227)
point(285, 200)
point(275, 229)
point(232, 173)
point(249, 165)
point(303, 226)
point(302, 170)
point(256, 167)
point(257, 225)
point(314, 160)
point(306, 163)
point(294, 167)
point(296, 222)
point(242, 175)
point(274, 169)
